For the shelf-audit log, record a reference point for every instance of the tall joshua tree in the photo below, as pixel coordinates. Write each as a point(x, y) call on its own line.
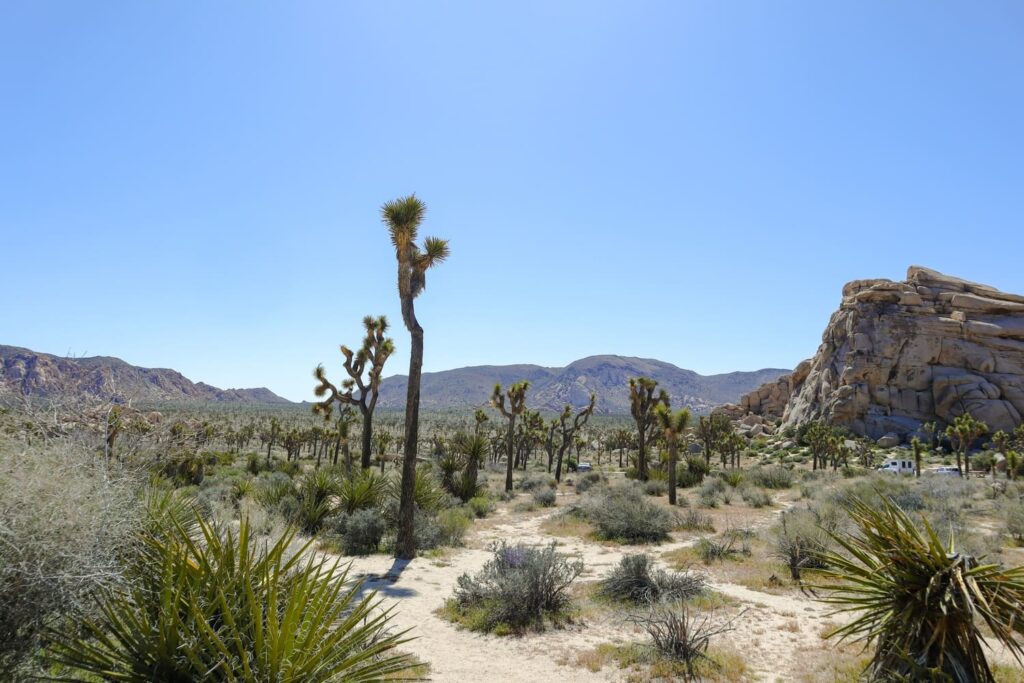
point(642, 404)
point(403, 218)
point(569, 430)
point(673, 429)
point(516, 405)
point(375, 351)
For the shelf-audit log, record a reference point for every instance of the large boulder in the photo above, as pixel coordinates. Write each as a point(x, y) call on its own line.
point(897, 354)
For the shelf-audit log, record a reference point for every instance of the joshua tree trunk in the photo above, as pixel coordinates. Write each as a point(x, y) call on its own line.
point(641, 457)
point(367, 443)
point(508, 467)
point(673, 454)
point(406, 543)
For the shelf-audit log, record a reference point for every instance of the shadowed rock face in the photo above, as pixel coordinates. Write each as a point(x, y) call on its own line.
point(897, 354)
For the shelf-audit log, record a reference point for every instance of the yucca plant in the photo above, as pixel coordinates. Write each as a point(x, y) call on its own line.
point(921, 602)
point(222, 607)
point(364, 489)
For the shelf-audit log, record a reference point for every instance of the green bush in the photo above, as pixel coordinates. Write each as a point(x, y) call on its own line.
point(517, 589)
point(589, 480)
point(655, 487)
point(544, 497)
point(536, 481)
point(360, 532)
point(755, 497)
point(480, 506)
point(198, 610)
point(625, 514)
point(453, 522)
point(770, 477)
point(635, 579)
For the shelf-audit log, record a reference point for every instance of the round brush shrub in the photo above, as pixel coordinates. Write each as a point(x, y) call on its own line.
point(625, 514)
point(518, 588)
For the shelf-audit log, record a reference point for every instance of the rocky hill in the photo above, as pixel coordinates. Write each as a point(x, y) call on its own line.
point(42, 374)
point(897, 354)
point(552, 388)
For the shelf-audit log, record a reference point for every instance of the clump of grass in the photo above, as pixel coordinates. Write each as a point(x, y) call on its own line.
point(635, 579)
point(695, 520)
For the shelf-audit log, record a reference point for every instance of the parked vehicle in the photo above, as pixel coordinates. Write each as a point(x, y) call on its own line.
point(584, 467)
point(897, 467)
point(947, 470)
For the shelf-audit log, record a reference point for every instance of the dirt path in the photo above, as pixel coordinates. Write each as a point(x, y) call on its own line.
point(771, 634)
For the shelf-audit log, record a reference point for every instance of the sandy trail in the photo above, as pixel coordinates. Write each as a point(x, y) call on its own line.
point(772, 633)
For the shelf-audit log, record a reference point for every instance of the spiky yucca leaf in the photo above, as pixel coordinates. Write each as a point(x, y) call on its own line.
point(922, 602)
point(221, 607)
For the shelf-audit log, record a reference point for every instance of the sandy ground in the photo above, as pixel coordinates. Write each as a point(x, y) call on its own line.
point(772, 634)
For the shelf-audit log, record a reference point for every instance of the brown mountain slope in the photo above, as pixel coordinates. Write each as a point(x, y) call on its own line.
point(43, 374)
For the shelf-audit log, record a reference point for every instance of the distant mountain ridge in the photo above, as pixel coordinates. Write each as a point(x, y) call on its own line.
point(42, 374)
point(607, 376)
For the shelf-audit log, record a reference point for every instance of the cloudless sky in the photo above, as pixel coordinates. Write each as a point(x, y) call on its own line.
point(197, 185)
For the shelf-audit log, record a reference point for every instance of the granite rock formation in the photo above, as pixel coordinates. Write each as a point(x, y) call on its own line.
point(897, 354)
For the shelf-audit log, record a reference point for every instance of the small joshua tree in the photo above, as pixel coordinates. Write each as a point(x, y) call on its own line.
point(642, 404)
point(369, 360)
point(516, 405)
point(711, 430)
point(964, 430)
point(570, 429)
point(673, 429)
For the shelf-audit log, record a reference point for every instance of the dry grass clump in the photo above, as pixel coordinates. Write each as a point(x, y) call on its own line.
point(635, 579)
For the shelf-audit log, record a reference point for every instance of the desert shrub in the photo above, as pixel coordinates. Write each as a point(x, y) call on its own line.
point(655, 487)
point(63, 518)
point(625, 514)
point(711, 491)
point(1013, 516)
point(256, 464)
point(755, 497)
point(159, 626)
point(686, 479)
point(733, 477)
point(271, 488)
point(536, 481)
point(517, 588)
point(695, 520)
point(681, 635)
point(363, 490)
point(732, 542)
point(480, 506)
point(288, 467)
point(770, 477)
point(636, 579)
point(359, 533)
point(453, 523)
point(902, 492)
point(316, 493)
point(588, 480)
point(544, 497)
point(184, 468)
point(803, 539)
point(657, 474)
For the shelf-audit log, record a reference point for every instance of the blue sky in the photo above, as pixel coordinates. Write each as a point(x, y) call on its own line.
point(197, 186)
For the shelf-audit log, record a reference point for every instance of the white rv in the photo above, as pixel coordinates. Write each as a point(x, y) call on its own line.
point(897, 466)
